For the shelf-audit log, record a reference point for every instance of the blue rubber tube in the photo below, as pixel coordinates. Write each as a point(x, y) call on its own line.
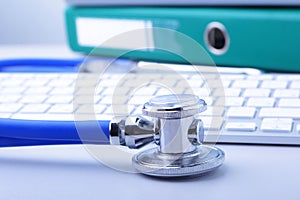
point(15, 132)
point(40, 65)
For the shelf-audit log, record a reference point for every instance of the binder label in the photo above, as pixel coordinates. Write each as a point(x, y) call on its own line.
point(107, 33)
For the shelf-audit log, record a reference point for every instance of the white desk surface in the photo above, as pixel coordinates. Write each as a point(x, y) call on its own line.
point(70, 172)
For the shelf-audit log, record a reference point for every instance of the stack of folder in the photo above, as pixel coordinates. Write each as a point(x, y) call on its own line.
point(264, 37)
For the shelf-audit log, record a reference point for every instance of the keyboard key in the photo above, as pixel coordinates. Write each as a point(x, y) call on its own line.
point(232, 77)
point(86, 76)
point(261, 77)
point(116, 100)
point(288, 77)
point(144, 91)
point(243, 112)
point(213, 111)
point(138, 82)
point(35, 108)
point(277, 124)
point(62, 91)
point(38, 90)
point(109, 76)
point(230, 101)
point(245, 84)
point(90, 109)
point(62, 108)
point(12, 90)
point(33, 99)
point(5, 115)
point(240, 126)
point(197, 81)
point(212, 123)
point(280, 112)
point(114, 91)
point(256, 93)
point(261, 102)
point(86, 83)
point(10, 107)
point(201, 92)
point(66, 76)
point(11, 83)
point(86, 99)
point(185, 76)
point(5, 76)
point(228, 92)
point(295, 85)
point(60, 99)
point(289, 103)
point(218, 84)
point(137, 100)
point(207, 76)
point(9, 98)
point(226, 83)
point(190, 83)
point(288, 93)
point(85, 91)
point(43, 75)
point(109, 83)
point(168, 83)
point(176, 90)
point(121, 110)
point(274, 84)
point(35, 82)
point(139, 76)
point(60, 82)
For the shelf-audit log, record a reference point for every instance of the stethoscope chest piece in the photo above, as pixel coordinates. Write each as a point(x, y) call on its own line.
point(200, 161)
point(172, 122)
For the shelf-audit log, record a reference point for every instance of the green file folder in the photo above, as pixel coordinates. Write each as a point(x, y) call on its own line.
point(264, 38)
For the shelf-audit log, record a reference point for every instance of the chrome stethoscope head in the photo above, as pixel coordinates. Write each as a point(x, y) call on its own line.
point(173, 124)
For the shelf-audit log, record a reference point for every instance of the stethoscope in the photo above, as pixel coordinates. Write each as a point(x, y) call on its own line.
point(171, 122)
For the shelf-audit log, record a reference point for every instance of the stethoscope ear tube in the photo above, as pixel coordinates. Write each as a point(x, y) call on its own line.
point(16, 132)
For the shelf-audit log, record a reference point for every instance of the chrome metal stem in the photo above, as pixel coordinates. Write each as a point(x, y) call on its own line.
point(174, 135)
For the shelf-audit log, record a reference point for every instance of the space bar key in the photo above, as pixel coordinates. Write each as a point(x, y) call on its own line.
point(280, 112)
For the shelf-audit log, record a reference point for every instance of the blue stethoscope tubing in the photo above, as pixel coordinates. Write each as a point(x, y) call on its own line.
point(40, 65)
point(17, 132)
point(22, 132)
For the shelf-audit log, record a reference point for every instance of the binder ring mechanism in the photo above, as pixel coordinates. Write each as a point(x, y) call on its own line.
point(173, 124)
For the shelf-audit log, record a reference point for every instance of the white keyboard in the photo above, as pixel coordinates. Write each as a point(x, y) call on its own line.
point(259, 109)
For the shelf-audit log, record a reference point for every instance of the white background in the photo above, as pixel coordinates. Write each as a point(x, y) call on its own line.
point(32, 22)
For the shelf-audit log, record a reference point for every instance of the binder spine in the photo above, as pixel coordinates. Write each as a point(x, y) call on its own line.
point(264, 38)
